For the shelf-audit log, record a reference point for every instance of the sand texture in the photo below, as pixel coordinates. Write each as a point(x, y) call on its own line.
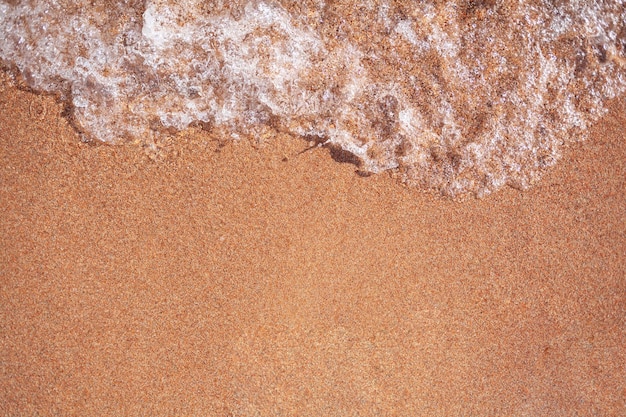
point(218, 278)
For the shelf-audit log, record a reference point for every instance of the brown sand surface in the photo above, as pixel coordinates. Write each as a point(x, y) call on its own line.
point(226, 279)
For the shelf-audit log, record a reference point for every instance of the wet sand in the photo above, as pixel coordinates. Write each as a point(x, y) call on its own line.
point(226, 279)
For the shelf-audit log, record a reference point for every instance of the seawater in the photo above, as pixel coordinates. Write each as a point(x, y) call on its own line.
point(458, 96)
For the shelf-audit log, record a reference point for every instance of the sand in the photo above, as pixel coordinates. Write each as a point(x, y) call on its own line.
point(235, 279)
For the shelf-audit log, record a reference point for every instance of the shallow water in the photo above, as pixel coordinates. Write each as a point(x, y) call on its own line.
point(457, 96)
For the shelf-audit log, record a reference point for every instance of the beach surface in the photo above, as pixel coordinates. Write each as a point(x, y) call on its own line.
point(214, 277)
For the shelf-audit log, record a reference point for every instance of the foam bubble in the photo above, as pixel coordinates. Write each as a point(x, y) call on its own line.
point(459, 96)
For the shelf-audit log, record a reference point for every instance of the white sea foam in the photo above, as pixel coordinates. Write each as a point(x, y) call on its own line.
point(459, 96)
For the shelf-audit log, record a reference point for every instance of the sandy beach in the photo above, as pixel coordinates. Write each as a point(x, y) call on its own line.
point(222, 278)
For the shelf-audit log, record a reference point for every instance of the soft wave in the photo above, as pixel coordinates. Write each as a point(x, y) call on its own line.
point(459, 96)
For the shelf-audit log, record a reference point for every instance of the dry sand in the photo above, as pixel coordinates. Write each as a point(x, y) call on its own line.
point(225, 279)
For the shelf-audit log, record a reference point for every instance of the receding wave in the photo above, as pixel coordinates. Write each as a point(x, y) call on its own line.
point(458, 96)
